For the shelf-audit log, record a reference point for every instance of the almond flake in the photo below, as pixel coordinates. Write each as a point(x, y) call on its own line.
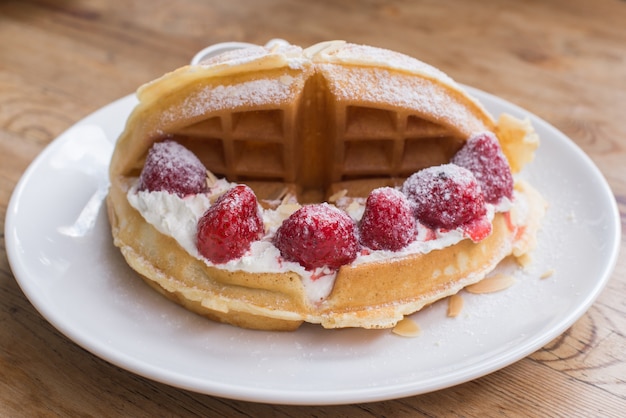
point(455, 305)
point(210, 179)
point(492, 284)
point(287, 196)
point(286, 209)
point(337, 195)
point(547, 273)
point(406, 328)
point(524, 260)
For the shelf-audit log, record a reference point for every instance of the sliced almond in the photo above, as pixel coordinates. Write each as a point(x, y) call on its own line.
point(287, 196)
point(288, 208)
point(492, 284)
point(211, 179)
point(455, 305)
point(338, 195)
point(406, 328)
point(547, 273)
point(524, 260)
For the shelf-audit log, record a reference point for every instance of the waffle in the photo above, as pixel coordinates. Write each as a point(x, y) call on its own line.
point(311, 123)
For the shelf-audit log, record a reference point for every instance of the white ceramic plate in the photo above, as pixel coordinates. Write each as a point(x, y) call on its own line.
point(59, 246)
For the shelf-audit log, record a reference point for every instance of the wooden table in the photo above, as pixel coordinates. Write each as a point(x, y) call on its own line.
point(562, 60)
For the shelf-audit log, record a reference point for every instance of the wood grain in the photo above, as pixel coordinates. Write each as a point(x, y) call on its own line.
point(562, 60)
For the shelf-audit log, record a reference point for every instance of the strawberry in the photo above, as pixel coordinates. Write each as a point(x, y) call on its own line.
point(228, 228)
point(388, 222)
point(478, 229)
point(445, 196)
point(172, 168)
point(483, 156)
point(318, 235)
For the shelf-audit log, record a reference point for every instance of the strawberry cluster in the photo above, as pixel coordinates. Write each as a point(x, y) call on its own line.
point(444, 197)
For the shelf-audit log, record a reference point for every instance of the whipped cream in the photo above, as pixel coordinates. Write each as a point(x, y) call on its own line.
point(178, 218)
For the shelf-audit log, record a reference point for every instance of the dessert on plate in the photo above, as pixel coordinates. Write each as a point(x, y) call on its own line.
point(341, 184)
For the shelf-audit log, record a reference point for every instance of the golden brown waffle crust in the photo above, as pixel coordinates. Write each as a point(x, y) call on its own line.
point(331, 76)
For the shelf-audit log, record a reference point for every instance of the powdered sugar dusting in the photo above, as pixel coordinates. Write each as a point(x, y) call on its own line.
point(421, 184)
point(252, 93)
point(235, 56)
point(292, 54)
point(369, 55)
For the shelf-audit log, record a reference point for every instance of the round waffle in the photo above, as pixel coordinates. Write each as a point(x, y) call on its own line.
point(333, 119)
